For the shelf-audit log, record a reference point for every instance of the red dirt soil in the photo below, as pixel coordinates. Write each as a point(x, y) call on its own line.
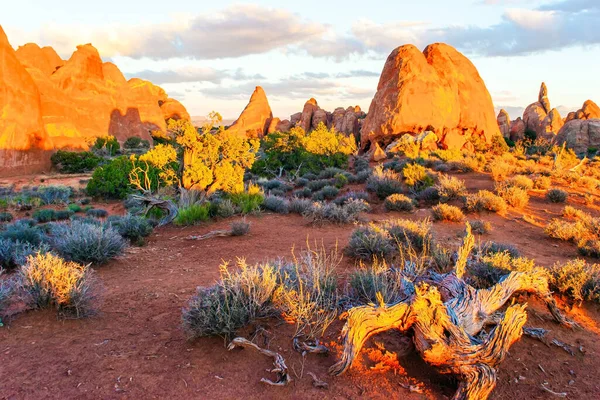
point(135, 347)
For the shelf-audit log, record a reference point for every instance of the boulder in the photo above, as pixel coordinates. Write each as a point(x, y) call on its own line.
point(284, 126)
point(273, 125)
point(503, 120)
point(540, 118)
point(376, 153)
point(580, 134)
point(517, 129)
point(307, 114)
point(571, 116)
point(24, 144)
point(173, 109)
point(438, 89)
point(590, 110)
point(295, 119)
point(255, 119)
point(426, 140)
point(319, 116)
point(550, 126)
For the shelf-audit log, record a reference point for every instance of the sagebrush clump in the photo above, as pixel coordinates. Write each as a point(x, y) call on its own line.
point(399, 202)
point(445, 212)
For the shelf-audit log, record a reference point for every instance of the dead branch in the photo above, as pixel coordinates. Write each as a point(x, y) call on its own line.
point(317, 382)
point(149, 201)
point(582, 162)
point(283, 378)
point(552, 392)
point(314, 347)
point(210, 235)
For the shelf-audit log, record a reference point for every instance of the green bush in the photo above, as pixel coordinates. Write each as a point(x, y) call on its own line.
point(22, 232)
point(109, 143)
point(133, 228)
point(327, 193)
point(97, 213)
point(417, 177)
point(111, 180)
point(6, 217)
point(370, 242)
point(135, 142)
point(276, 204)
point(74, 207)
point(193, 214)
point(74, 162)
point(248, 201)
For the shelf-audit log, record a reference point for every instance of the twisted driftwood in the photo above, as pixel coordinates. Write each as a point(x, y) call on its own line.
point(447, 317)
point(283, 378)
point(150, 202)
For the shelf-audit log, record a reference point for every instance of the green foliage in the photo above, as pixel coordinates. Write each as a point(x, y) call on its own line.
point(416, 176)
point(370, 242)
point(111, 180)
point(193, 214)
point(304, 152)
point(135, 142)
point(107, 144)
point(131, 227)
point(54, 194)
point(22, 232)
point(74, 162)
point(74, 207)
point(6, 217)
point(248, 201)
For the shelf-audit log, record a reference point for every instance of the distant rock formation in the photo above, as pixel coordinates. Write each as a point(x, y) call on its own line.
point(581, 130)
point(77, 100)
point(540, 118)
point(438, 89)
point(255, 119)
point(517, 129)
point(24, 144)
point(503, 120)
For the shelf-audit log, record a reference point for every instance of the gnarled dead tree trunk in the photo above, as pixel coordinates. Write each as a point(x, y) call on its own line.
point(150, 202)
point(447, 316)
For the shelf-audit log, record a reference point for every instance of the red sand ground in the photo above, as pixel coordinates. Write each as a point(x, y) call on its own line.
point(136, 349)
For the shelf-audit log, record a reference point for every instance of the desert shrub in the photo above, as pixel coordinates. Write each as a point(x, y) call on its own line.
point(351, 196)
point(307, 292)
point(416, 176)
point(362, 176)
point(298, 150)
point(542, 182)
point(513, 195)
point(7, 288)
point(62, 215)
point(223, 208)
point(74, 162)
point(557, 195)
point(46, 215)
point(480, 227)
point(568, 231)
point(322, 213)
point(233, 302)
point(331, 172)
point(111, 180)
point(74, 207)
point(361, 164)
point(319, 184)
point(248, 201)
point(133, 228)
point(413, 235)
point(50, 281)
point(276, 184)
point(327, 193)
point(300, 206)
point(22, 232)
point(301, 181)
point(485, 200)
point(445, 212)
point(96, 213)
point(303, 193)
point(399, 202)
point(106, 145)
point(86, 243)
point(384, 183)
point(240, 228)
point(340, 180)
point(276, 204)
point(309, 176)
point(521, 181)
point(370, 242)
point(430, 195)
point(500, 170)
point(6, 217)
point(85, 201)
point(193, 214)
point(494, 247)
point(378, 279)
point(450, 188)
point(54, 194)
point(14, 254)
point(577, 280)
point(589, 248)
point(135, 142)
point(489, 269)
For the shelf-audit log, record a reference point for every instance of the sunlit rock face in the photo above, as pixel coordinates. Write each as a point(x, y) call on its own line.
point(66, 104)
point(581, 130)
point(438, 89)
point(23, 139)
point(255, 119)
point(540, 118)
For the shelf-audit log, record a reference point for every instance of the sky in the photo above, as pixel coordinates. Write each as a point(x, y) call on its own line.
point(210, 55)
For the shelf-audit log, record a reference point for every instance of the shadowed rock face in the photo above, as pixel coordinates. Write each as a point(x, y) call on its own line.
point(64, 104)
point(581, 130)
point(256, 118)
point(438, 87)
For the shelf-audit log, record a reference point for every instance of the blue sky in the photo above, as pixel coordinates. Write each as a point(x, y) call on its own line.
point(210, 55)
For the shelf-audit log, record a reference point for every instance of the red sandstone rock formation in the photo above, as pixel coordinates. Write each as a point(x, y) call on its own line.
point(254, 121)
point(503, 120)
point(437, 88)
point(540, 118)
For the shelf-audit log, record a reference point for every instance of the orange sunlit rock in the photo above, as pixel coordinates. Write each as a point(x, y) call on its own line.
point(438, 87)
point(254, 121)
